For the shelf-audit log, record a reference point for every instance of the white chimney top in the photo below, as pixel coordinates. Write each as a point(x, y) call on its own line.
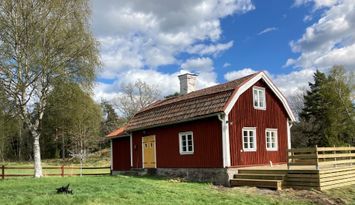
point(187, 83)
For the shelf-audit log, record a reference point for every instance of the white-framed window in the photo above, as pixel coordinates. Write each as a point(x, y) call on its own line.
point(271, 139)
point(249, 138)
point(186, 141)
point(259, 100)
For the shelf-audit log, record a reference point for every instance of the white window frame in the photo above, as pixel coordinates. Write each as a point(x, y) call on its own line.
point(248, 129)
point(187, 147)
point(258, 90)
point(272, 130)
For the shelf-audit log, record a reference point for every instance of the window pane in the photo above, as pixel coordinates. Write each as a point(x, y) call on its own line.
point(245, 133)
point(190, 148)
point(251, 133)
point(251, 145)
point(184, 148)
point(245, 139)
point(245, 145)
point(256, 98)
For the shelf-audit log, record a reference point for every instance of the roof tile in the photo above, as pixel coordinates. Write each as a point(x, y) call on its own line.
point(195, 104)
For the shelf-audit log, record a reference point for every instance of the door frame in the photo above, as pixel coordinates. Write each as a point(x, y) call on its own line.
point(155, 151)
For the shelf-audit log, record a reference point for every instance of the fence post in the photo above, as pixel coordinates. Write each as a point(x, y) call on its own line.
point(350, 157)
point(62, 168)
point(335, 159)
point(3, 172)
point(317, 159)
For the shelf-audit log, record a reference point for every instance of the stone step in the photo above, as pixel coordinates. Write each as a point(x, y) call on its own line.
point(260, 183)
point(260, 176)
point(262, 171)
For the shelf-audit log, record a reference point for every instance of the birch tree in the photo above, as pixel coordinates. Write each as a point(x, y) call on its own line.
point(134, 97)
point(42, 41)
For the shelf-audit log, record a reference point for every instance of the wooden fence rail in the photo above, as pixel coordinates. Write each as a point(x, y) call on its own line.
point(61, 171)
point(321, 157)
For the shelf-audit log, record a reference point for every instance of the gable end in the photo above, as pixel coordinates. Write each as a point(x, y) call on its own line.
point(245, 86)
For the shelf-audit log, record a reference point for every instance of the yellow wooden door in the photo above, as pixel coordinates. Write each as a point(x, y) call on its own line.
point(148, 144)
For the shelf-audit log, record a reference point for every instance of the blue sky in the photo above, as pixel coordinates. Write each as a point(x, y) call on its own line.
point(157, 40)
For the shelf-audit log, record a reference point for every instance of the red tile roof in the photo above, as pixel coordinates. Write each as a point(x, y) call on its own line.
point(196, 104)
point(116, 133)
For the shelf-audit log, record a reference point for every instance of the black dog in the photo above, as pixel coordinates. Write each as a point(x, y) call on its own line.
point(65, 190)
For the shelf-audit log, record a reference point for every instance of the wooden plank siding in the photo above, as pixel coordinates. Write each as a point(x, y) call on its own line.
point(121, 154)
point(207, 137)
point(243, 114)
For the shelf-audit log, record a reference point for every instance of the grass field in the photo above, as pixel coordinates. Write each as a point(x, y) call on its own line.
point(127, 190)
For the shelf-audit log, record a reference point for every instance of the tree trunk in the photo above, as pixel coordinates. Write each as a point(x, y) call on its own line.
point(37, 154)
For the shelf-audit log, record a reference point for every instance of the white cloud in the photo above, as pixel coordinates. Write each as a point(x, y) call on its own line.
point(317, 4)
point(290, 84)
point(329, 41)
point(226, 65)
point(294, 82)
point(238, 74)
point(267, 30)
point(213, 49)
point(154, 32)
point(138, 37)
point(307, 18)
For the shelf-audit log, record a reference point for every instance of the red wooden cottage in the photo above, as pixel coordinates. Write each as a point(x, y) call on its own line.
point(206, 134)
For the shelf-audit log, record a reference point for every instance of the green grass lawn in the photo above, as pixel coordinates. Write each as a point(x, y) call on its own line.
point(128, 190)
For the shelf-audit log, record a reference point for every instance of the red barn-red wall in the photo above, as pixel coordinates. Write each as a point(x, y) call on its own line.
point(121, 157)
point(243, 114)
point(207, 137)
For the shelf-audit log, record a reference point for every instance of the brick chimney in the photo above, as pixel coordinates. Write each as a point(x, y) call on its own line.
point(187, 83)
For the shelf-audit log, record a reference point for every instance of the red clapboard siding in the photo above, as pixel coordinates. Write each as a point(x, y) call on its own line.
point(207, 136)
point(243, 114)
point(121, 154)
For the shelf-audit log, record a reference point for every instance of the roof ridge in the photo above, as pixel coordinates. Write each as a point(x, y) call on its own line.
point(176, 99)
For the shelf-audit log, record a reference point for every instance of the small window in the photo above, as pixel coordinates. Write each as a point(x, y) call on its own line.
point(186, 141)
point(271, 139)
point(249, 138)
point(259, 98)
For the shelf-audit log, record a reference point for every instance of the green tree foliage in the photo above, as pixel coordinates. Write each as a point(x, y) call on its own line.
point(41, 42)
point(327, 118)
point(111, 121)
point(72, 118)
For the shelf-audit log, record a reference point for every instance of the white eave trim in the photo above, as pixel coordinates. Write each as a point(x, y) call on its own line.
point(250, 83)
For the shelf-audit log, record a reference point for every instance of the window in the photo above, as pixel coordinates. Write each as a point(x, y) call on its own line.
point(271, 139)
point(186, 143)
point(259, 98)
point(249, 138)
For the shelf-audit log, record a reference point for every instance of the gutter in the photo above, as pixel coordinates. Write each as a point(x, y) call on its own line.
point(177, 122)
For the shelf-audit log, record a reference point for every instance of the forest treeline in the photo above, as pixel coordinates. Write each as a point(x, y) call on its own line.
point(326, 111)
point(72, 121)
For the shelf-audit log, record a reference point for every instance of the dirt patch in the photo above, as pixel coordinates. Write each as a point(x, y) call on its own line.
point(314, 196)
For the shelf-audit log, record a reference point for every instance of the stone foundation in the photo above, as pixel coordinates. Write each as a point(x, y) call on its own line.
point(215, 175)
point(218, 176)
